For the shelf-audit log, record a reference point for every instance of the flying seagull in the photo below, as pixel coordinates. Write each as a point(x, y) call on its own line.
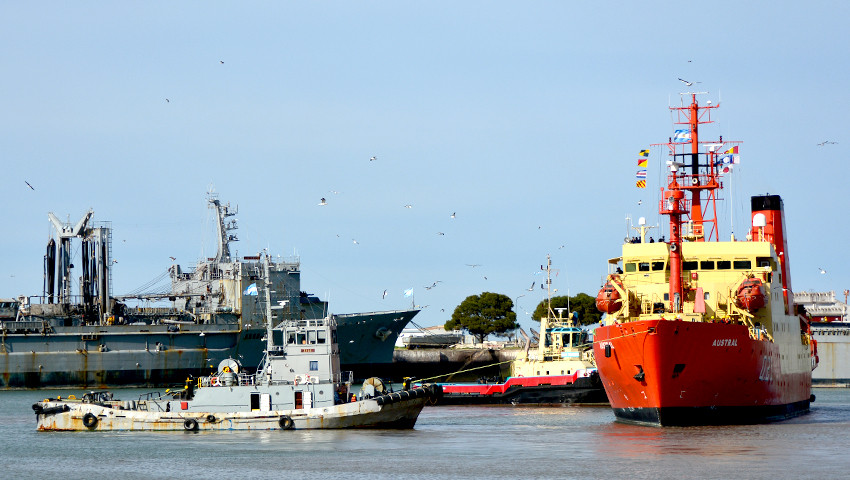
point(372, 159)
point(531, 288)
point(221, 62)
point(826, 142)
point(453, 214)
point(822, 271)
point(687, 82)
point(173, 258)
point(408, 206)
point(440, 233)
point(167, 100)
point(28, 184)
point(384, 295)
point(355, 241)
point(322, 202)
point(473, 265)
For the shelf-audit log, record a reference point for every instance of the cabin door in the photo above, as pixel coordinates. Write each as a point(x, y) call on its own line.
point(265, 402)
point(299, 402)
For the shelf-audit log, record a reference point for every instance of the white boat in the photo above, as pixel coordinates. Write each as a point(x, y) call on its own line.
point(298, 386)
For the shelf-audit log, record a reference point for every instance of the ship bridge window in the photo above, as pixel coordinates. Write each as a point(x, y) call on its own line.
point(724, 265)
point(630, 267)
point(706, 265)
point(743, 265)
point(657, 266)
point(689, 265)
point(643, 267)
point(323, 336)
point(763, 262)
point(311, 337)
point(291, 338)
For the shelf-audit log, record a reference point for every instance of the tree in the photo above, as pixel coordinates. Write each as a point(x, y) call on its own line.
point(481, 315)
point(582, 303)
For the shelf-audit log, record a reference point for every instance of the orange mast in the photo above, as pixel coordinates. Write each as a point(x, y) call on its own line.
point(687, 220)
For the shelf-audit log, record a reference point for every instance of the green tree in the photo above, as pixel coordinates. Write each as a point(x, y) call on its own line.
point(481, 315)
point(582, 303)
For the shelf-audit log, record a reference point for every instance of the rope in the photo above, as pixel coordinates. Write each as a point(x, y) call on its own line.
point(463, 371)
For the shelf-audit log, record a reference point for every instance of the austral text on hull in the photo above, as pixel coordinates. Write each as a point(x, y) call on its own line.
point(700, 331)
point(208, 313)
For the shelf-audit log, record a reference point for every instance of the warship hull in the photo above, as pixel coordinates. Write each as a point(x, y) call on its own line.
point(39, 354)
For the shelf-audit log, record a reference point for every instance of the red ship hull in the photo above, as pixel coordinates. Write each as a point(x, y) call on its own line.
point(677, 373)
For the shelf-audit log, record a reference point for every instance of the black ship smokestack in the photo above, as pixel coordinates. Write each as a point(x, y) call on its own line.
point(50, 269)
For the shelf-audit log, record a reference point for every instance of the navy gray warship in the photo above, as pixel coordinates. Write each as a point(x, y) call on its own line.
point(210, 313)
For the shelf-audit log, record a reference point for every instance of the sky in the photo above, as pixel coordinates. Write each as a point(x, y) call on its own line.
point(523, 119)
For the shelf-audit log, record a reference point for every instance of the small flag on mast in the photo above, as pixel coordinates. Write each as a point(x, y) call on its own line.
point(644, 153)
point(642, 162)
point(408, 292)
point(732, 150)
point(641, 174)
point(681, 135)
point(251, 290)
point(641, 184)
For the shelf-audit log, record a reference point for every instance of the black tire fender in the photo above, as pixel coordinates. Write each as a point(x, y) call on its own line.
point(286, 423)
point(89, 420)
point(190, 424)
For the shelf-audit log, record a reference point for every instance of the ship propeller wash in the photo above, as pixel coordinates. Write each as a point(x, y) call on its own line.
point(700, 331)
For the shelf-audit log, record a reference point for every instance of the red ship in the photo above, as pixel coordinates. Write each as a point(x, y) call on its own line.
point(700, 331)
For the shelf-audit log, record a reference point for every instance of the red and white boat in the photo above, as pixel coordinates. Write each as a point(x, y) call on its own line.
point(700, 331)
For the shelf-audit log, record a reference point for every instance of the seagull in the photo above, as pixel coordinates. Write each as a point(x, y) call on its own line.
point(173, 258)
point(485, 277)
point(453, 215)
point(408, 206)
point(28, 184)
point(640, 202)
point(826, 142)
point(334, 192)
point(531, 288)
point(322, 202)
point(687, 82)
point(384, 295)
point(221, 62)
point(167, 100)
point(822, 271)
point(473, 265)
point(373, 159)
point(440, 233)
point(355, 241)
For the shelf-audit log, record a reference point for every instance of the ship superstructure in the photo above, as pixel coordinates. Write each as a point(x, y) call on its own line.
point(212, 311)
point(697, 330)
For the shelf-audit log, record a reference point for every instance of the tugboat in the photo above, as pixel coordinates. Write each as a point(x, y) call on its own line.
point(299, 386)
point(700, 331)
point(561, 371)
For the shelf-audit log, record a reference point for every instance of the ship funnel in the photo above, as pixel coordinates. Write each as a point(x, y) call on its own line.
point(769, 225)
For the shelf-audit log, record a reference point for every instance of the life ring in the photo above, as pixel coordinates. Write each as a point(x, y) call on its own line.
point(673, 247)
point(211, 418)
point(286, 423)
point(190, 424)
point(215, 382)
point(89, 420)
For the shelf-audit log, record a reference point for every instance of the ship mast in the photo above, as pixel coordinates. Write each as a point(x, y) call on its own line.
point(688, 174)
point(222, 212)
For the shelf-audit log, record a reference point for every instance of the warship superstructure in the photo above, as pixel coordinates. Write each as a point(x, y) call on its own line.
point(211, 312)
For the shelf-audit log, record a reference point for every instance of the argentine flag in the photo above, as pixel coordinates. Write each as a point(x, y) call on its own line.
point(251, 290)
point(408, 292)
point(681, 135)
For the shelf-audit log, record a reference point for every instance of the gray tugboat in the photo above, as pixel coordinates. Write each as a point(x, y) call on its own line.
point(299, 385)
point(209, 313)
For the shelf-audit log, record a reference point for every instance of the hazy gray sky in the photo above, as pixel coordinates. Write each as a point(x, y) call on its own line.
point(524, 118)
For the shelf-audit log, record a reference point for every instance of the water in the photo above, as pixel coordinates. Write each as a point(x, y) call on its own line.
point(448, 442)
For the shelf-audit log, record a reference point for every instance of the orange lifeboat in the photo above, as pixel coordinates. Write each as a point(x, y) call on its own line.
point(750, 295)
point(608, 299)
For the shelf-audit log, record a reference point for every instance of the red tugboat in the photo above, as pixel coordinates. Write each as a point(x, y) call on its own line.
point(704, 332)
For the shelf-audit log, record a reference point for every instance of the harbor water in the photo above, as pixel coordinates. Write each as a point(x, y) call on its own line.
point(448, 442)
